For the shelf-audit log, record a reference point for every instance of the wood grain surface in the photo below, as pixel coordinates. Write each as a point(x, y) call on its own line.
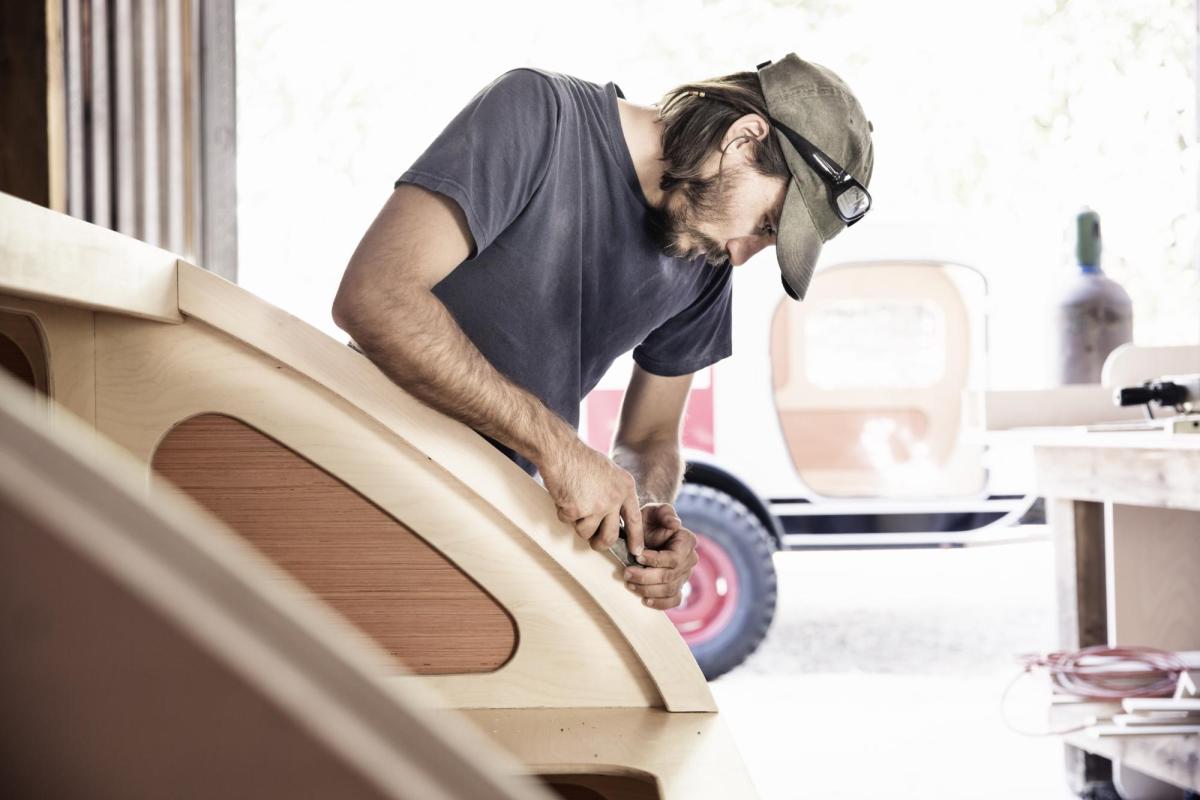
point(149, 652)
point(370, 567)
point(485, 479)
point(52, 257)
point(1149, 469)
point(151, 376)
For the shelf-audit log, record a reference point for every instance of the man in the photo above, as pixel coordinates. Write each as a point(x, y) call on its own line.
point(553, 226)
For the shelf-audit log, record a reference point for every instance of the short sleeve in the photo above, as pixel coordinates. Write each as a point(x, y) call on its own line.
point(699, 335)
point(494, 154)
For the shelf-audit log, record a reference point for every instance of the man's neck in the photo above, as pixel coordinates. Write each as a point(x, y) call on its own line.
point(643, 137)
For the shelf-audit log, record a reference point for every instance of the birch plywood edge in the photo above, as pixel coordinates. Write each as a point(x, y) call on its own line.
point(182, 592)
point(51, 256)
point(464, 456)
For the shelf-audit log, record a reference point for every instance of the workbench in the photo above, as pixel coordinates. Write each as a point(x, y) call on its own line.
point(1124, 508)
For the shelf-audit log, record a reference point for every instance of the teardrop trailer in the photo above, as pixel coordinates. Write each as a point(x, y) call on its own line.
point(841, 422)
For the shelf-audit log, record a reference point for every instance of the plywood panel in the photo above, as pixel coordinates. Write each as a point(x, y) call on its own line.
point(1153, 584)
point(1078, 530)
point(148, 652)
point(92, 703)
point(481, 476)
point(152, 376)
point(367, 565)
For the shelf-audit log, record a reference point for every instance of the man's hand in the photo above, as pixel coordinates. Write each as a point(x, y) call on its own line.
point(669, 558)
point(593, 494)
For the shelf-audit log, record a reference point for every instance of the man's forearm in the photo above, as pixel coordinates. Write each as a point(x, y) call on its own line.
point(419, 345)
point(657, 466)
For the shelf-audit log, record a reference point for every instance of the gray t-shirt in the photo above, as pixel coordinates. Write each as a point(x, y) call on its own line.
point(567, 274)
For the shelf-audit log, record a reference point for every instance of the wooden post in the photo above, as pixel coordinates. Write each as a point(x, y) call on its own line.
point(1078, 530)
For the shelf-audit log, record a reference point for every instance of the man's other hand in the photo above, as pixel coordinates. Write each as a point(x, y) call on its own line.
point(593, 494)
point(669, 558)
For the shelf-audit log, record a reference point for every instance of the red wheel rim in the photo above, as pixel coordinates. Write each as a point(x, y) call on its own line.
point(711, 594)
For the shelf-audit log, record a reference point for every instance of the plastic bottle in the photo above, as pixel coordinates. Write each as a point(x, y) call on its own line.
point(1094, 314)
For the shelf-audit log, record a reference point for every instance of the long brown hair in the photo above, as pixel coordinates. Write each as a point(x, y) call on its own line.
point(693, 126)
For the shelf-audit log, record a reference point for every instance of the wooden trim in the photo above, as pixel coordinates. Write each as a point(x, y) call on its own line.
point(53, 257)
point(1078, 530)
point(1168, 758)
point(1151, 476)
point(212, 593)
point(478, 469)
point(370, 567)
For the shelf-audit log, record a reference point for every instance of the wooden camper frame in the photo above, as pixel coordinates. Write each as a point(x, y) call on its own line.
point(137, 340)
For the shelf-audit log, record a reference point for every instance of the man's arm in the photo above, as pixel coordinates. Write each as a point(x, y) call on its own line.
point(647, 439)
point(647, 445)
point(386, 304)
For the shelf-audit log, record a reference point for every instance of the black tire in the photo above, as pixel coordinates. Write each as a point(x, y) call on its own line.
point(714, 514)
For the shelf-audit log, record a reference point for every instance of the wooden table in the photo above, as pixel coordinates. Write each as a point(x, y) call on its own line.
point(1124, 508)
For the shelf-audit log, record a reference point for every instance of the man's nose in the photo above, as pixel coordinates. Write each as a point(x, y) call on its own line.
point(742, 248)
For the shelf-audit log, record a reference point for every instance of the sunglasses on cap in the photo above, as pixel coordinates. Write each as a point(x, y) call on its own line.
point(849, 198)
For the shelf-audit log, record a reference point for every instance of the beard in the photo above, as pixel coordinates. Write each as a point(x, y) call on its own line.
point(698, 202)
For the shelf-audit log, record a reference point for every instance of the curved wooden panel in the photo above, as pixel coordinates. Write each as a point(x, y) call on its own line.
point(451, 451)
point(581, 699)
point(146, 652)
point(92, 700)
point(370, 567)
point(150, 376)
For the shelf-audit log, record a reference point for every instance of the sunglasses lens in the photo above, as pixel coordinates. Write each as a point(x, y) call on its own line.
point(853, 202)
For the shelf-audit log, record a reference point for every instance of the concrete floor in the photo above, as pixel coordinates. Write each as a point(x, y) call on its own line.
point(882, 674)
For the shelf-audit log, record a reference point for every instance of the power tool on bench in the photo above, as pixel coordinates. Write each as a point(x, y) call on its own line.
point(1178, 392)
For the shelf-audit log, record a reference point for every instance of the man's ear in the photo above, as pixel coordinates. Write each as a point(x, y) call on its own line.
point(746, 128)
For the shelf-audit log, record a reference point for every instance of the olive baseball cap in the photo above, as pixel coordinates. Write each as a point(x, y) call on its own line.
point(817, 104)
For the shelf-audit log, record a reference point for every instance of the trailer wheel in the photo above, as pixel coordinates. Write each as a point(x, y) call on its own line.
point(729, 600)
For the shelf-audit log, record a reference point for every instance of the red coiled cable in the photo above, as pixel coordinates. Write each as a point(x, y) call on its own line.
point(1111, 673)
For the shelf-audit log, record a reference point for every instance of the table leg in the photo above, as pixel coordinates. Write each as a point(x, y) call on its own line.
point(1078, 530)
